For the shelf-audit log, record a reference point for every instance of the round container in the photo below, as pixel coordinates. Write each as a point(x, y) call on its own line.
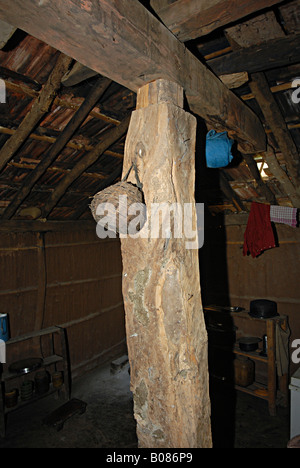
point(263, 308)
point(243, 371)
point(11, 398)
point(25, 366)
point(115, 201)
point(249, 343)
point(26, 391)
point(57, 379)
point(41, 381)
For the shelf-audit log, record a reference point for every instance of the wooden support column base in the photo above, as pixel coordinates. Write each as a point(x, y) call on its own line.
point(166, 333)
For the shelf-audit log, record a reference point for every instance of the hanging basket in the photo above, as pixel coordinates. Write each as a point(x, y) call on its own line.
point(115, 202)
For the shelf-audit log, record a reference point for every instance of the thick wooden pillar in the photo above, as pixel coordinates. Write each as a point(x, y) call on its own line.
point(166, 334)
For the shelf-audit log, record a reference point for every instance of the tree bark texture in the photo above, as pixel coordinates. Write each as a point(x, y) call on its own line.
point(166, 334)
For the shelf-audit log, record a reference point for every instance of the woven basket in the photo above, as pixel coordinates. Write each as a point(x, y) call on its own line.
point(111, 197)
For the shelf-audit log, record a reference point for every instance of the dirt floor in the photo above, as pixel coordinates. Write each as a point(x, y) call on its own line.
point(238, 420)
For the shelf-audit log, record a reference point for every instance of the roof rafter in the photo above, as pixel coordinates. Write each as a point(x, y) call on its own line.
point(264, 97)
point(132, 47)
point(40, 107)
point(94, 96)
point(109, 139)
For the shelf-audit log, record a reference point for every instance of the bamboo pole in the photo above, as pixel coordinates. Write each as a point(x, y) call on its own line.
point(71, 144)
point(58, 101)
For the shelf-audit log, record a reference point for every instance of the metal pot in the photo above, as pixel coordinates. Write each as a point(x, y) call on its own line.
point(249, 343)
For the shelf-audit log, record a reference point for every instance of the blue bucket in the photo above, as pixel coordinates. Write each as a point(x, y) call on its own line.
point(218, 149)
point(4, 336)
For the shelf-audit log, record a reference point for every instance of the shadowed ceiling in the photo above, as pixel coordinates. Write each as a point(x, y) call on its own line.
point(79, 161)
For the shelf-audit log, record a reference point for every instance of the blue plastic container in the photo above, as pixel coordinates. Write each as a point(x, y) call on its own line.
point(4, 335)
point(218, 149)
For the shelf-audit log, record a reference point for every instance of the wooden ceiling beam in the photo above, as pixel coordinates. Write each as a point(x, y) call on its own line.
point(282, 177)
point(230, 193)
point(40, 107)
point(274, 119)
point(272, 54)
point(6, 32)
point(190, 19)
point(242, 37)
point(132, 47)
point(78, 74)
point(61, 101)
point(50, 156)
point(264, 189)
point(47, 139)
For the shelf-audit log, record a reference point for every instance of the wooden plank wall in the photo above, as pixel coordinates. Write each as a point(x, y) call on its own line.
point(83, 291)
point(229, 278)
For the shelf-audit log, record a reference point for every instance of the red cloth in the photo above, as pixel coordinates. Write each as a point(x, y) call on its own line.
point(259, 235)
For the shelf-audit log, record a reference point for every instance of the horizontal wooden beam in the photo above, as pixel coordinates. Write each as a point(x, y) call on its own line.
point(132, 47)
point(49, 226)
point(190, 19)
point(63, 101)
point(78, 74)
point(271, 54)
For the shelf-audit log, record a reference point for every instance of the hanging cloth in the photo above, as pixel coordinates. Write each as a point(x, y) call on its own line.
point(259, 235)
point(284, 215)
point(218, 149)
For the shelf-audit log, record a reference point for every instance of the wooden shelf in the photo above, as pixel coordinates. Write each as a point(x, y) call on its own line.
point(252, 390)
point(251, 355)
point(48, 361)
point(33, 399)
point(269, 328)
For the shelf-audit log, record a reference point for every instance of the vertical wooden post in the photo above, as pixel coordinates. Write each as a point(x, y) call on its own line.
point(166, 334)
point(271, 332)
